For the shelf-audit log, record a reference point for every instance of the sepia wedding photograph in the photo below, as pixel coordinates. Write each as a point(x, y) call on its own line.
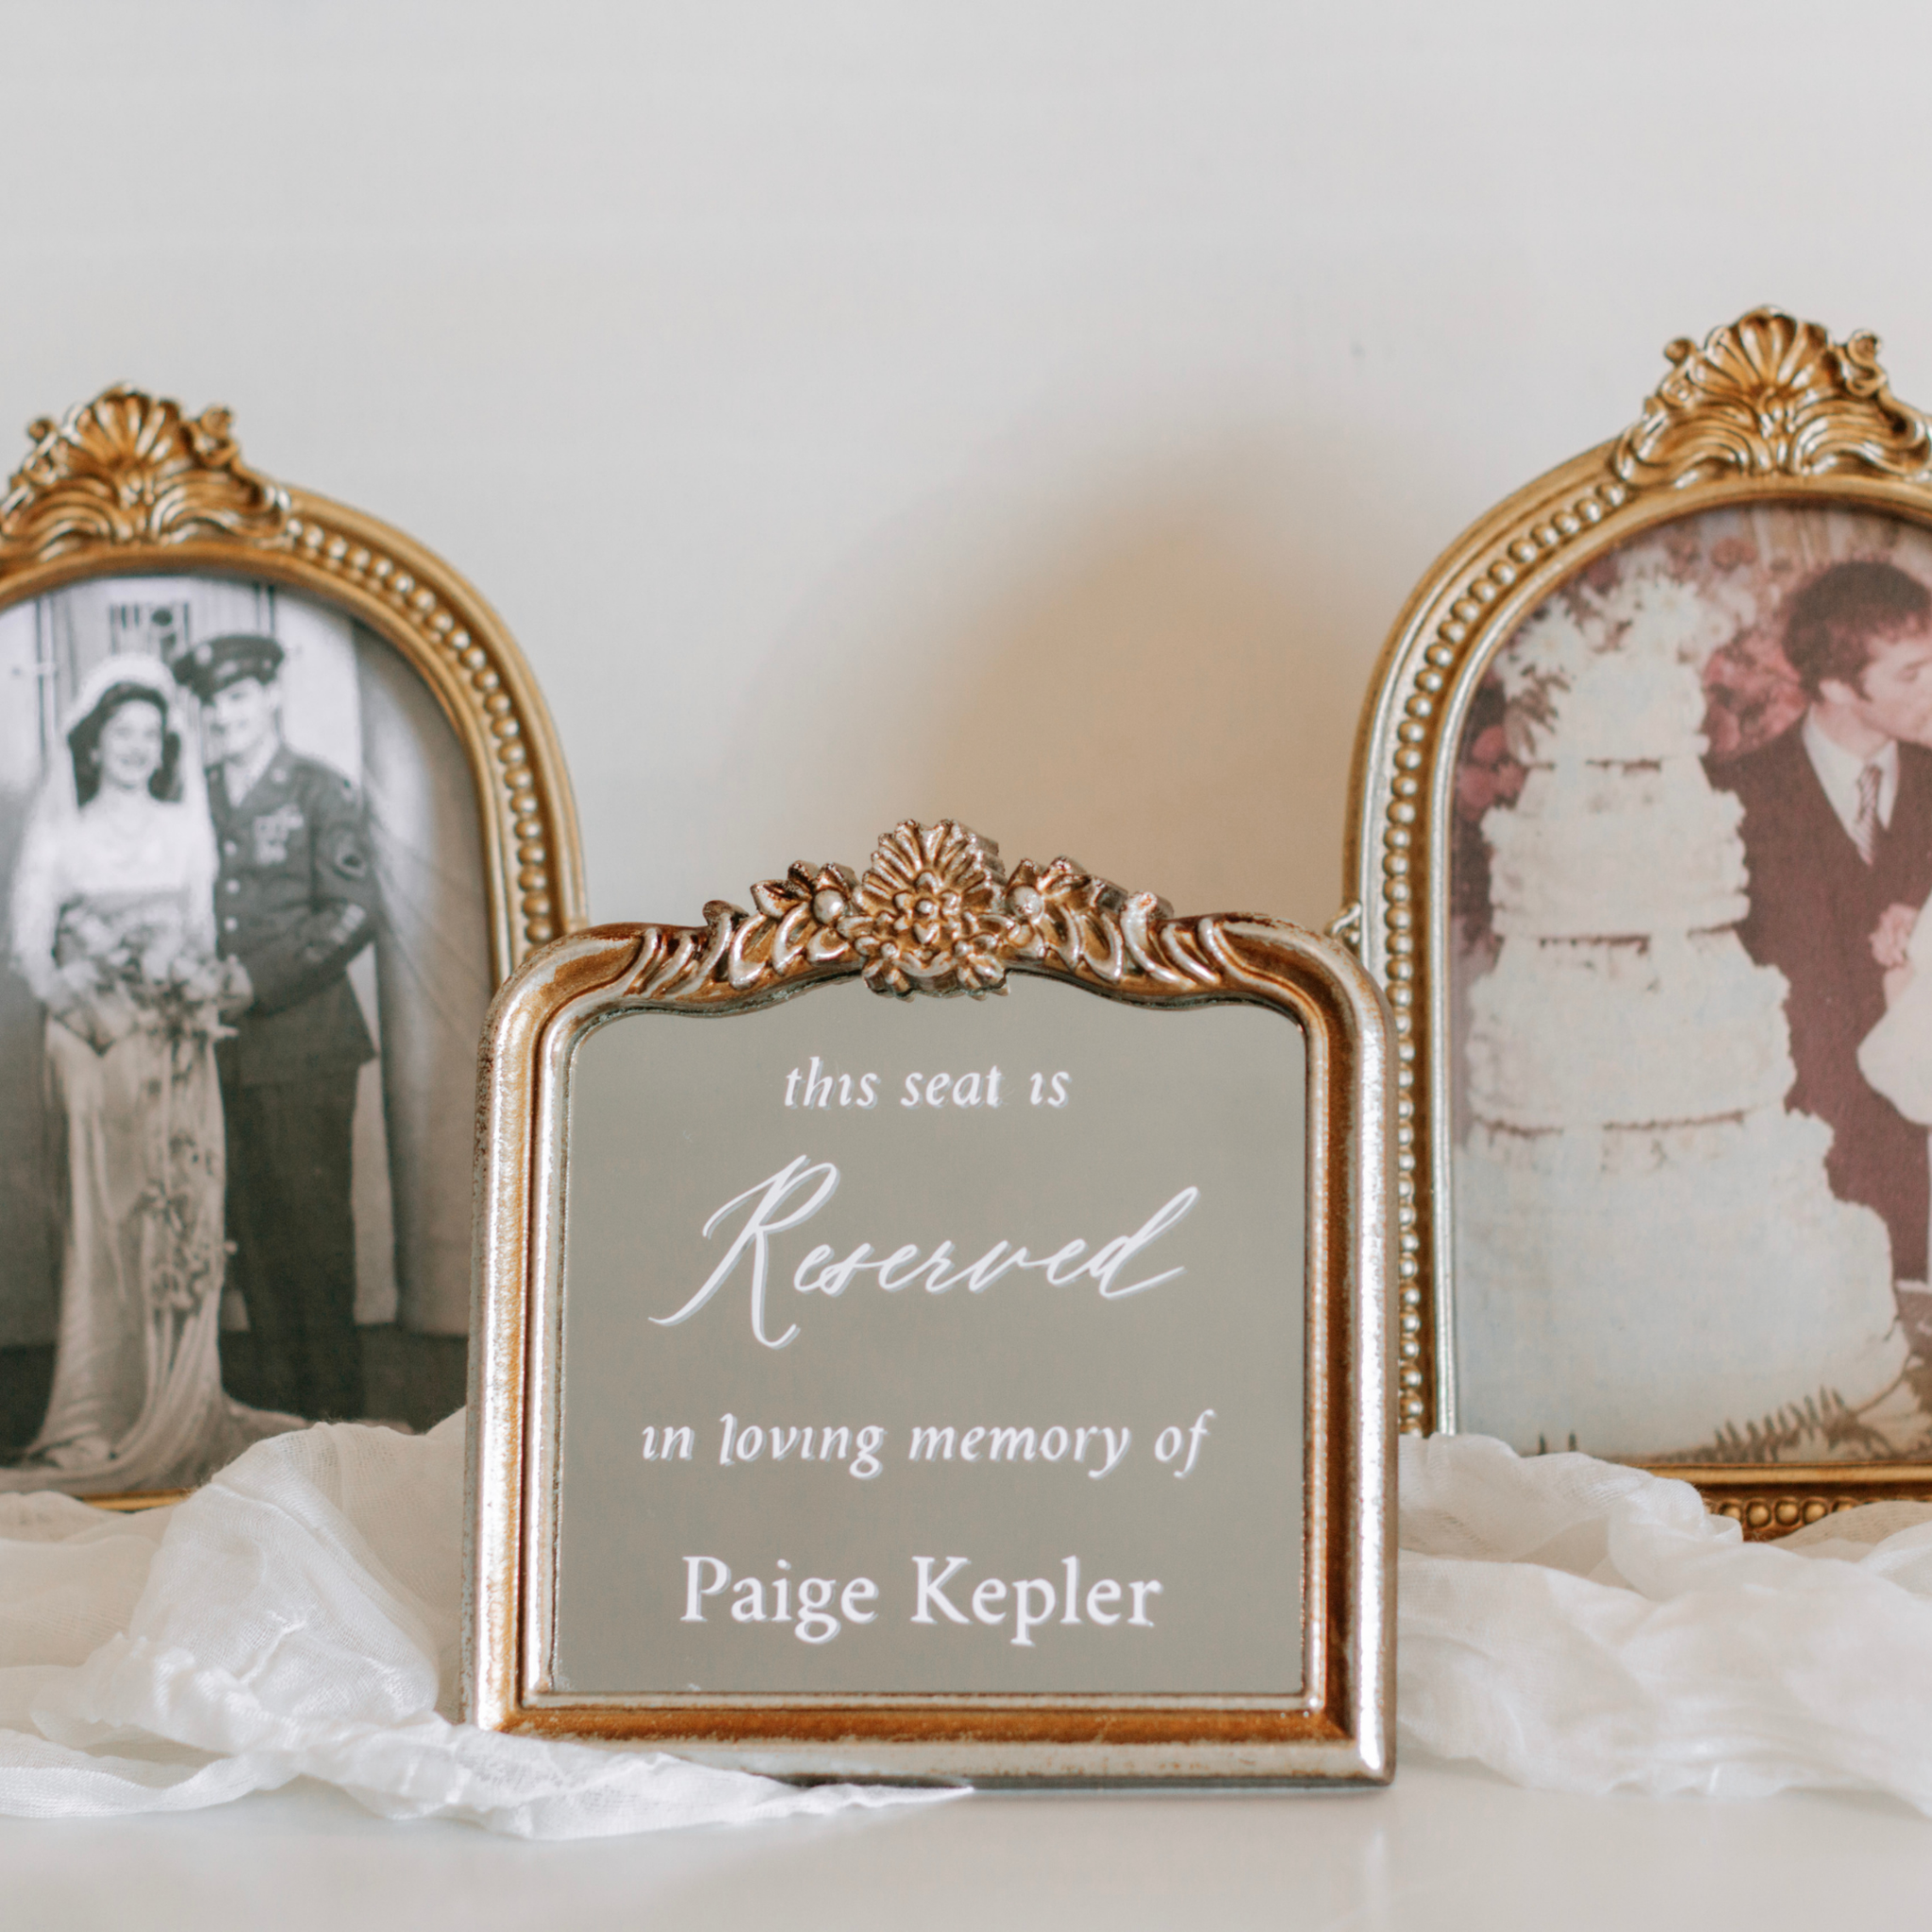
point(247, 957)
point(1690, 1001)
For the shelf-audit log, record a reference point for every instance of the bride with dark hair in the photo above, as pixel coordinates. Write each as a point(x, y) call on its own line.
point(113, 929)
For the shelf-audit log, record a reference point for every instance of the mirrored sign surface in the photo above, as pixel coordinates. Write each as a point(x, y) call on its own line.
point(934, 1345)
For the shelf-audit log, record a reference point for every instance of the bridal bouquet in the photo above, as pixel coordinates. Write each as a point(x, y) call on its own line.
point(122, 974)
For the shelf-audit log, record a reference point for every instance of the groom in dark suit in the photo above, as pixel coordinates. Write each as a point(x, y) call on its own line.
point(1838, 830)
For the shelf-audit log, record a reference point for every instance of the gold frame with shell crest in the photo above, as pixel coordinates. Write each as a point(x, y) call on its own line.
point(1767, 409)
point(131, 485)
point(818, 925)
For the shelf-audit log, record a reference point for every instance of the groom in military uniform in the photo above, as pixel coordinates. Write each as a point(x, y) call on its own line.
point(295, 901)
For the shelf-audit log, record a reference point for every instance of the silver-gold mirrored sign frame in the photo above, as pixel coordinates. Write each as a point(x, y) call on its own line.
point(1768, 413)
point(817, 926)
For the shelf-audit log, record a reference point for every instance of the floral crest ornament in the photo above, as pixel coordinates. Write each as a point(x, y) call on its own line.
point(936, 912)
point(931, 912)
point(1770, 395)
point(127, 468)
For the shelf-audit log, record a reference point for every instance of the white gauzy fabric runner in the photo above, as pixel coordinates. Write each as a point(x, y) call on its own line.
point(1571, 1623)
point(297, 1618)
point(1585, 1627)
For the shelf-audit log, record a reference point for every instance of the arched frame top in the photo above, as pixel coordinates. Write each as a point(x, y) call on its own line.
point(128, 485)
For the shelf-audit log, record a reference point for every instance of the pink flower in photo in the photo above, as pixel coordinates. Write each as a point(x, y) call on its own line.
point(1487, 775)
point(1753, 695)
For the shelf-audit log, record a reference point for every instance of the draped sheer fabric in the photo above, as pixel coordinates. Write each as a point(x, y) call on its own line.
point(298, 1617)
point(1571, 1623)
point(1583, 1626)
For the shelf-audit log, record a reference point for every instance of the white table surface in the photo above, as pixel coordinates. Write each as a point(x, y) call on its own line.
point(1448, 1847)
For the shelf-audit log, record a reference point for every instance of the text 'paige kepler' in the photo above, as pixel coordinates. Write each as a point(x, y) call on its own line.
point(1032, 1602)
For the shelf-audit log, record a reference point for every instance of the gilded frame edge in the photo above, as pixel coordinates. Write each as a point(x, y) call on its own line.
point(1767, 408)
point(130, 485)
point(1344, 1732)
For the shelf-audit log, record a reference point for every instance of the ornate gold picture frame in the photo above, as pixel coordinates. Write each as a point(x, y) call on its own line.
point(555, 1403)
point(1583, 835)
point(280, 806)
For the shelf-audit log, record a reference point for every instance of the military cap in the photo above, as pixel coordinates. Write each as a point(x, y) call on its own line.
point(211, 666)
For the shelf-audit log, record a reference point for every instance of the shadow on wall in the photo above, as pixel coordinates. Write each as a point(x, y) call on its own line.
point(1164, 687)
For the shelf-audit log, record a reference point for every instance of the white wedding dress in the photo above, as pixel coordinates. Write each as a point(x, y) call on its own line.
point(1896, 1055)
point(123, 889)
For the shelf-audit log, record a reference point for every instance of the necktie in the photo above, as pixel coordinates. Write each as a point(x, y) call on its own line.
point(1865, 828)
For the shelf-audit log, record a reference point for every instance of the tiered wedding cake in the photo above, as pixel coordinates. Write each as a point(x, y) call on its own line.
point(1646, 1245)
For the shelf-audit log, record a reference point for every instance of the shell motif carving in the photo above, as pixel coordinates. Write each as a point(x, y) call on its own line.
point(1768, 396)
point(935, 912)
point(127, 468)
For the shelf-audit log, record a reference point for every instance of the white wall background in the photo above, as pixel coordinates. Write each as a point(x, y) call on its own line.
point(1034, 410)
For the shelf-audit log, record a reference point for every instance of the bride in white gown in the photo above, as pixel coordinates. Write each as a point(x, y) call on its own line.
point(113, 929)
point(1896, 1055)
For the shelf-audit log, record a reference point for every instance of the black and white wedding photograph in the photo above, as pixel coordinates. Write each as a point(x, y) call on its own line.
point(1691, 999)
point(245, 960)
